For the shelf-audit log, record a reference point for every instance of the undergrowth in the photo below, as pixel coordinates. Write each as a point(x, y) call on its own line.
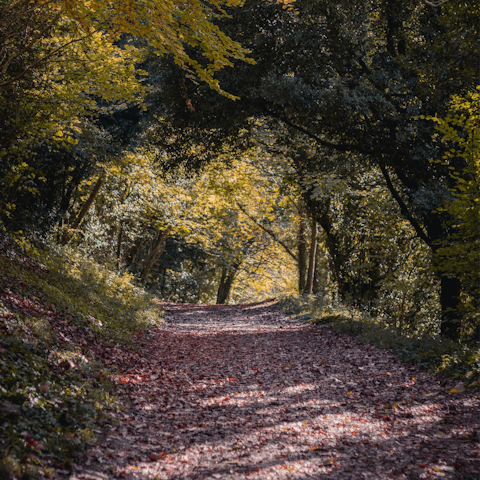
point(436, 355)
point(57, 313)
point(108, 302)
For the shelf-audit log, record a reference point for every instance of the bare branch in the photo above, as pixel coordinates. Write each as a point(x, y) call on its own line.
point(266, 230)
point(435, 5)
point(336, 146)
point(403, 207)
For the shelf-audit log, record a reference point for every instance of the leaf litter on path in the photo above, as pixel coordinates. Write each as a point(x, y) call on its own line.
point(233, 392)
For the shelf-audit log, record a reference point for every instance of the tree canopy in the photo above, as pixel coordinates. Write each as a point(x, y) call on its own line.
point(124, 135)
point(352, 80)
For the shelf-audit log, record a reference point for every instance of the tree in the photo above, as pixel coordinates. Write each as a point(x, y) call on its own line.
point(254, 216)
point(184, 236)
point(168, 27)
point(65, 63)
point(26, 26)
point(459, 256)
point(351, 78)
point(49, 141)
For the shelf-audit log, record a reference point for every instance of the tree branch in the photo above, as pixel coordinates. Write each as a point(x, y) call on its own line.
point(335, 146)
point(44, 59)
point(266, 230)
point(29, 45)
point(403, 208)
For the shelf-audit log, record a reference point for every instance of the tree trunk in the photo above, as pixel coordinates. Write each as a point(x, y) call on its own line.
point(86, 207)
point(450, 287)
point(450, 300)
point(319, 280)
point(312, 258)
point(156, 249)
point(302, 254)
point(119, 244)
point(226, 282)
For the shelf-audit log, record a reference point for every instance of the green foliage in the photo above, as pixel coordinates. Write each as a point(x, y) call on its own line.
point(55, 313)
point(351, 89)
point(436, 355)
point(170, 27)
point(49, 128)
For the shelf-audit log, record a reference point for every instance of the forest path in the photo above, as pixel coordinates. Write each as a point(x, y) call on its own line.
point(234, 392)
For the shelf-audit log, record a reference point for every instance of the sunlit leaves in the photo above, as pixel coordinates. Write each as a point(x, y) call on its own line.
point(458, 256)
point(168, 27)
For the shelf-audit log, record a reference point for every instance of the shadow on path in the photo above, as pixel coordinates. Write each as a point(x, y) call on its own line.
point(230, 392)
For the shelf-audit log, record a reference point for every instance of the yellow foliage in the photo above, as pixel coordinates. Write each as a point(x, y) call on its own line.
point(168, 26)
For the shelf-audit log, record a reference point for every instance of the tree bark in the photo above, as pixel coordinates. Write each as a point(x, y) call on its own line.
point(119, 242)
point(319, 280)
point(302, 253)
point(156, 249)
point(450, 287)
point(225, 285)
point(266, 230)
point(86, 207)
point(450, 301)
point(312, 258)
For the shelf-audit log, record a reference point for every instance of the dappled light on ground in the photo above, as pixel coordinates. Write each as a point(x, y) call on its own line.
point(230, 392)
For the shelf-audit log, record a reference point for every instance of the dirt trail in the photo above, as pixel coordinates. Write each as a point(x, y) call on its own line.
point(234, 392)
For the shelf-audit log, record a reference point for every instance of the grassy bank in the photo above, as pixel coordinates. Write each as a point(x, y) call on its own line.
point(59, 315)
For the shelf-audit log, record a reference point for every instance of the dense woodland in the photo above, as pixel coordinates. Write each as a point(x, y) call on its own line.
point(226, 151)
point(231, 151)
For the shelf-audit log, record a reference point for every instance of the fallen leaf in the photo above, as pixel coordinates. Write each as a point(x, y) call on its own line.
point(155, 456)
